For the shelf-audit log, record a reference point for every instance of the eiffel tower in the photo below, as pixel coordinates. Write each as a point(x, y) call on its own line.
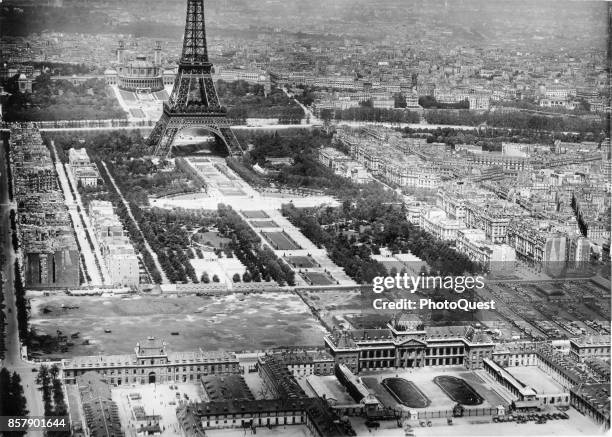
point(194, 101)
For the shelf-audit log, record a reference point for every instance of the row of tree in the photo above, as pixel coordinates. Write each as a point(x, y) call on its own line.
point(369, 113)
point(245, 172)
point(361, 226)
point(53, 395)
point(3, 261)
point(2, 315)
point(516, 120)
point(141, 178)
point(401, 236)
point(354, 259)
point(168, 234)
point(130, 226)
point(22, 305)
point(261, 263)
point(177, 267)
point(108, 145)
point(205, 279)
point(491, 138)
point(12, 397)
point(138, 177)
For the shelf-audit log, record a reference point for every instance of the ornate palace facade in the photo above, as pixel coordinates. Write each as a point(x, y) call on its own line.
point(152, 363)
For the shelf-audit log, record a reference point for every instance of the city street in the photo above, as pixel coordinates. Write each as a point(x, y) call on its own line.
point(13, 360)
point(88, 227)
point(80, 231)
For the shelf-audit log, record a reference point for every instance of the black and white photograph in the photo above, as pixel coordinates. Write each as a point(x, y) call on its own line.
point(305, 218)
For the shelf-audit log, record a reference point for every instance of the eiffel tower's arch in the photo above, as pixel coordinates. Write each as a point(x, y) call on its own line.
point(194, 101)
point(174, 130)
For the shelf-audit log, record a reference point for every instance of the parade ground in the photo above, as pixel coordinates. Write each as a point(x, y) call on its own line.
point(113, 325)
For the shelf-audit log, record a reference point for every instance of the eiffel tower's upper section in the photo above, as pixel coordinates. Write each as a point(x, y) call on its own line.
point(195, 52)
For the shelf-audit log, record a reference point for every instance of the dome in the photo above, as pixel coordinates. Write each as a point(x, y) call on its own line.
point(140, 75)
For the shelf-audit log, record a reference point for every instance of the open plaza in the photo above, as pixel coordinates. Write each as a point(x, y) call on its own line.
point(251, 201)
point(536, 378)
point(422, 385)
point(153, 400)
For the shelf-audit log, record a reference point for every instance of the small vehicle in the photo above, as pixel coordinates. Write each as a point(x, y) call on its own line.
point(449, 421)
point(174, 333)
point(107, 331)
point(372, 424)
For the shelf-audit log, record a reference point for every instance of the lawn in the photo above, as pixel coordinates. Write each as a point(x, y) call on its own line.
point(211, 238)
point(280, 241)
point(264, 223)
point(301, 261)
point(458, 390)
point(255, 214)
point(425, 379)
point(406, 392)
point(315, 278)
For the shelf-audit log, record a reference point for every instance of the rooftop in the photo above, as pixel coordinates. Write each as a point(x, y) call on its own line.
point(225, 388)
point(591, 340)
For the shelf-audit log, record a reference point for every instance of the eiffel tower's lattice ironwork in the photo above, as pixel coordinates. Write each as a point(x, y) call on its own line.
point(194, 101)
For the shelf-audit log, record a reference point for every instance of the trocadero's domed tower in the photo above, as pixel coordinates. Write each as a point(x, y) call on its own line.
point(140, 75)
